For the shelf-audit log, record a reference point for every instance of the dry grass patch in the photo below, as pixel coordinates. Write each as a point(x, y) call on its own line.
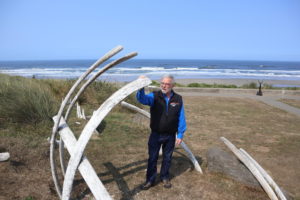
point(291, 102)
point(270, 135)
point(119, 155)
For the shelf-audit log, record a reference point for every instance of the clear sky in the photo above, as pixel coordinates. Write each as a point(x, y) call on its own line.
point(158, 29)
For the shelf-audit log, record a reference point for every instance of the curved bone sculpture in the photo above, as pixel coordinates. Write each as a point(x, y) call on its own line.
point(84, 86)
point(93, 123)
point(268, 178)
point(252, 168)
point(68, 137)
point(85, 168)
point(183, 145)
point(61, 109)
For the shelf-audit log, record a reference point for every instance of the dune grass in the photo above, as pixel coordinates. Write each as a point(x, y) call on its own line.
point(25, 100)
point(32, 101)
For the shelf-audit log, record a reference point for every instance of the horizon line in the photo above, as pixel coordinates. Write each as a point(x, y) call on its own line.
point(203, 59)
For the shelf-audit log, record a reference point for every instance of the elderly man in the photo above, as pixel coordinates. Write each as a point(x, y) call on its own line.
point(167, 119)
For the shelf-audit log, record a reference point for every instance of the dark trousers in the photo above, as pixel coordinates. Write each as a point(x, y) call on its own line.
point(167, 142)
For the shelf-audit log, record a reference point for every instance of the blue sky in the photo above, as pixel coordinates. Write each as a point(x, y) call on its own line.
point(191, 29)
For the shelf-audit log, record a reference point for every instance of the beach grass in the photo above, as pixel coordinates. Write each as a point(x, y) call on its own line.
point(25, 100)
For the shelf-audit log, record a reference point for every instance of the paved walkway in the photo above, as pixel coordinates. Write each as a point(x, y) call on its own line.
point(271, 100)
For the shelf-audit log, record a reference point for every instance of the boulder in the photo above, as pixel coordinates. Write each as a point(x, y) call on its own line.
point(220, 161)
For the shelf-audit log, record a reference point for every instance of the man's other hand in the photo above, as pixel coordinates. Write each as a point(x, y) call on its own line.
point(178, 141)
point(142, 76)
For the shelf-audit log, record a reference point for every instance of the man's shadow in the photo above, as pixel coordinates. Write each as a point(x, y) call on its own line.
point(180, 164)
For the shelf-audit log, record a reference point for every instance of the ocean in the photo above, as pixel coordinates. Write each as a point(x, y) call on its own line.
point(154, 68)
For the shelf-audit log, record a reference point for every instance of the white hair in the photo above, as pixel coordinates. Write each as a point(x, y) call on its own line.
point(168, 76)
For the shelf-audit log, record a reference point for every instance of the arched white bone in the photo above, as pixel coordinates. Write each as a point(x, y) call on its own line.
point(265, 175)
point(83, 87)
point(191, 157)
point(87, 132)
point(183, 145)
point(85, 168)
point(93, 78)
point(252, 168)
point(61, 109)
point(4, 156)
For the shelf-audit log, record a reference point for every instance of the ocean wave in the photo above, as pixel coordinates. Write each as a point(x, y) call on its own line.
point(64, 72)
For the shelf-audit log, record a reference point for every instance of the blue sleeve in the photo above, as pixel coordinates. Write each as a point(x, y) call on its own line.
point(146, 99)
point(181, 124)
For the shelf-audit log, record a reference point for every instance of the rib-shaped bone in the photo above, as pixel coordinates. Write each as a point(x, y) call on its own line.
point(191, 157)
point(265, 175)
point(84, 86)
point(135, 108)
point(85, 168)
point(101, 71)
point(183, 145)
point(87, 132)
point(252, 168)
point(4, 156)
point(61, 109)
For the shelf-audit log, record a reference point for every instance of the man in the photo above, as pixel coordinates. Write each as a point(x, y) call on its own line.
point(167, 119)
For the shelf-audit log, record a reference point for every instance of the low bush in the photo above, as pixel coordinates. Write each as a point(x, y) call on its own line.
point(215, 85)
point(25, 100)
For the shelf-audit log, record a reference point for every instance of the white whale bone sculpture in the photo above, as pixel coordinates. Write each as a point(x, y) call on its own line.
point(85, 168)
point(268, 178)
point(81, 90)
point(252, 168)
point(92, 124)
point(63, 104)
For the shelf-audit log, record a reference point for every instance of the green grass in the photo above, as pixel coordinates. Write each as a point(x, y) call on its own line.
point(204, 85)
point(34, 101)
point(25, 100)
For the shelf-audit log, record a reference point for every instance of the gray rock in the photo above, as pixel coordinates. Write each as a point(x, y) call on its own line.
point(226, 163)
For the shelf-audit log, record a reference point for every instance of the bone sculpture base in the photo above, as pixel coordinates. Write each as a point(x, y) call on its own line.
point(183, 145)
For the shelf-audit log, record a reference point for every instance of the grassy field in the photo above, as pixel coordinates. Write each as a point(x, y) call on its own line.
point(119, 154)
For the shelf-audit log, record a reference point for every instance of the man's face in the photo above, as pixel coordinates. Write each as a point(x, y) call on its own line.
point(166, 85)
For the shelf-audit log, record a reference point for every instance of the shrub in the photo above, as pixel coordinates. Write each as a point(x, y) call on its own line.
point(251, 85)
point(25, 100)
point(215, 85)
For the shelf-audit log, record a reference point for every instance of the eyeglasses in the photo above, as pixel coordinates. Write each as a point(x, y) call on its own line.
point(166, 84)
